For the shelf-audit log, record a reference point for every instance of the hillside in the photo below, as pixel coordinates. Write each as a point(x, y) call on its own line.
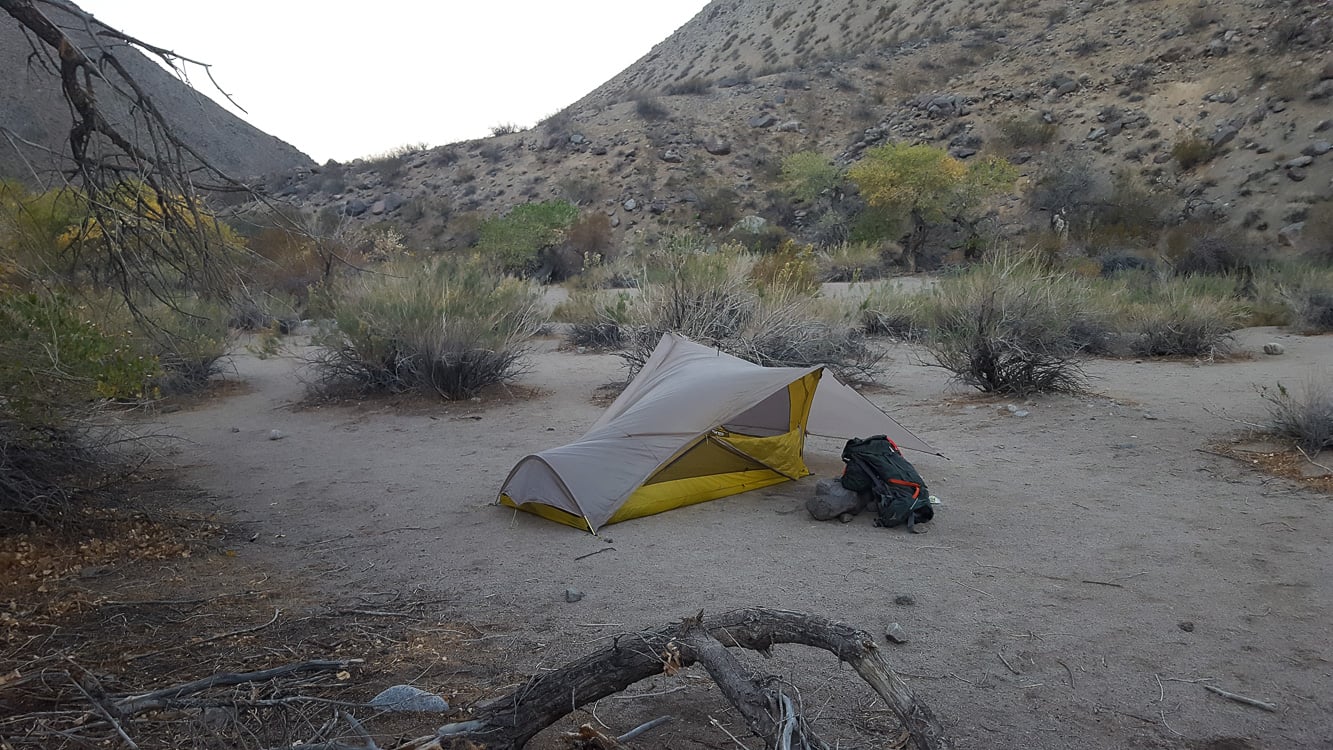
point(31, 106)
point(1119, 87)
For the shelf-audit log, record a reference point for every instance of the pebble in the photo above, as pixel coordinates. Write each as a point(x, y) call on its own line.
point(276, 434)
point(895, 633)
point(407, 698)
point(573, 595)
point(1022, 413)
point(1186, 626)
point(904, 600)
point(1273, 348)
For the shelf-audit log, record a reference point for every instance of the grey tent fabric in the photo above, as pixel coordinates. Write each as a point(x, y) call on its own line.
point(683, 392)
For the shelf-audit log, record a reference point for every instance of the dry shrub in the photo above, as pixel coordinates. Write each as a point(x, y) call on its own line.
point(1311, 309)
point(792, 266)
point(1193, 150)
point(650, 109)
point(889, 311)
point(1019, 133)
point(1307, 418)
point(851, 261)
point(452, 327)
point(711, 297)
point(1317, 236)
point(595, 321)
point(1010, 326)
point(1183, 324)
point(1197, 248)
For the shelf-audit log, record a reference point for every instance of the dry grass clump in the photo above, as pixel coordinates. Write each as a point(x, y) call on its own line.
point(717, 298)
point(595, 319)
point(449, 327)
point(1184, 325)
point(1010, 326)
point(1305, 419)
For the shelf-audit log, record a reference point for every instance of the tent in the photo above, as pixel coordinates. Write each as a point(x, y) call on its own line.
point(694, 425)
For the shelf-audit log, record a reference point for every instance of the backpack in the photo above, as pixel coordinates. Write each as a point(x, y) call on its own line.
point(877, 466)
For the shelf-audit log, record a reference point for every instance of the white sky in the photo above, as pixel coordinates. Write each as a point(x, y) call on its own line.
point(340, 80)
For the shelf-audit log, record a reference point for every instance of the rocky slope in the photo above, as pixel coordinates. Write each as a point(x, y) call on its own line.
point(718, 104)
point(31, 106)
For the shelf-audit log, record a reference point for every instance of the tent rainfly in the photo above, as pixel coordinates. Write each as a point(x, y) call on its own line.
point(694, 425)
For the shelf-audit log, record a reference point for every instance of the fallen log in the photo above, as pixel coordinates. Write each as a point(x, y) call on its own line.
point(508, 723)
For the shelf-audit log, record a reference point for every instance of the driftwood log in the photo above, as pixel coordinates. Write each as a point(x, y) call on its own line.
point(508, 723)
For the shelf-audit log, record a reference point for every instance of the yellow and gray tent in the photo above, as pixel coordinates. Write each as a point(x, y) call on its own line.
point(694, 425)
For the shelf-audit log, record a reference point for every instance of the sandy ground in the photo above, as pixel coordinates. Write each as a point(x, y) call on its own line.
point(1207, 569)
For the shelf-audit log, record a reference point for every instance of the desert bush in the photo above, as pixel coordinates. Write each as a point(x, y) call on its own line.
point(1183, 324)
point(718, 207)
point(711, 297)
point(515, 239)
point(594, 320)
point(650, 110)
point(849, 261)
point(1317, 236)
point(504, 128)
point(692, 86)
point(1026, 132)
point(590, 235)
point(1311, 308)
point(889, 311)
point(791, 266)
point(1193, 150)
point(1305, 419)
point(451, 327)
point(1009, 326)
point(1196, 248)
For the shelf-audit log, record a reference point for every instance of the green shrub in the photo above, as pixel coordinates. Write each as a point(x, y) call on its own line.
point(1307, 419)
point(1009, 326)
point(449, 327)
point(807, 174)
point(515, 239)
point(889, 311)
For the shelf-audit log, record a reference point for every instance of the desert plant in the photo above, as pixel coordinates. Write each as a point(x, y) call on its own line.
point(791, 266)
point(848, 261)
point(1317, 235)
point(1311, 309)
point(650, 110)
point(718, 207)
point(1193, 150)
point(1210, 249)
point(504, 128)
point(692, 86)
point(451, 327)
point(1305, 419)
point(889, 311)
point(515, 239)
point(1026, 132)
point(807, 174)
point(594, 320)
point(1010, 326)
point(1183, 324)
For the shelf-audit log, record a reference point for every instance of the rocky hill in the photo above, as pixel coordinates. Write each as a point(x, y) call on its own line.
point(31, 106)
point(1221, 107)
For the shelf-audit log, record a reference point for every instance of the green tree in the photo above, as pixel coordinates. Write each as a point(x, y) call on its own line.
point(515, 239)
point(926, 187)
point(808, 173)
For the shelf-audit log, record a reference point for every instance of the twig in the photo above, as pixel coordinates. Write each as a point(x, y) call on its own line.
point(718, 724)
point(645, 727)
point(1161, 690)
point(160, 698)
point(1069, 671)
point(622, 697)
point(1311, 460)
point(979, 591)
point(377, 613)
point(1007, 664)
point(1241, 698)
point(105, 714)
point(598, 552)
point(210, 639)
point(359, 730)
point(1101, 583)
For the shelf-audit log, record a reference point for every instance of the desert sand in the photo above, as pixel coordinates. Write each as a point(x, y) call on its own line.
point(1088, 565)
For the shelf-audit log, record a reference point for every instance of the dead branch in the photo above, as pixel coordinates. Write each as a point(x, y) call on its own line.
point(510, 721)
point(1241, 698)
point(163, 698)
point(210, 639)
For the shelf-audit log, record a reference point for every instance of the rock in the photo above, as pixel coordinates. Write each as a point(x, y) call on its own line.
point(392, 202)
point(597, 150)
point(762, 121)
point(1300, 161)
point(1011, 408)
point(1273, 348)
point(1296, 174)
point(577, 139)
point(846, 517)
point(276, 434)
point(657, 208)
point(832, 500)
point(1097, 134)
point(355, 207)
point(790, 126)
point(671, 156)
point(1186, 626)
point(630, 204)
point(377, 207)
point(1225, 97)
point(1217, 48)
point(1322, 90)
point(573, 595)
point(404, 698)
point(1224, 135)
point(895, 633)
point(904, 600)
point(1150, 416)
point(717, 147)
point(1318, 148)
point(1022, 413)
point(235, 429)
point(752, 224)
point(1323, 126)
point(1290, 233)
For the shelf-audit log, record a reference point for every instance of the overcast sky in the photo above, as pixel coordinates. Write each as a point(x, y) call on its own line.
point(341, 80)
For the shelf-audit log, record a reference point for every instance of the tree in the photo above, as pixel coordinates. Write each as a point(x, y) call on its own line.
point(808, 174)
point(925, 187)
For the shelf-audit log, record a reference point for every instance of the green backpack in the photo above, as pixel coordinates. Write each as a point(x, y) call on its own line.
point(876, 465)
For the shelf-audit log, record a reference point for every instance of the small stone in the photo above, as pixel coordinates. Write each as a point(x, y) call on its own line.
point(1290, 233)
point(404, 698)
point(904, 600)
point(1296, 174)
point(846, 518)
point(1186, 626)
point(1300, 161)
point(235, 429)
point(763, 121)
point(1273, 348)
point(671, 156)
point(1150, 416)
point(276, 434)
point(630, 204)
point(573, 595)
point(1011, 408)
point(895, 633)
point(1022, 413)
point(1318, 148)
